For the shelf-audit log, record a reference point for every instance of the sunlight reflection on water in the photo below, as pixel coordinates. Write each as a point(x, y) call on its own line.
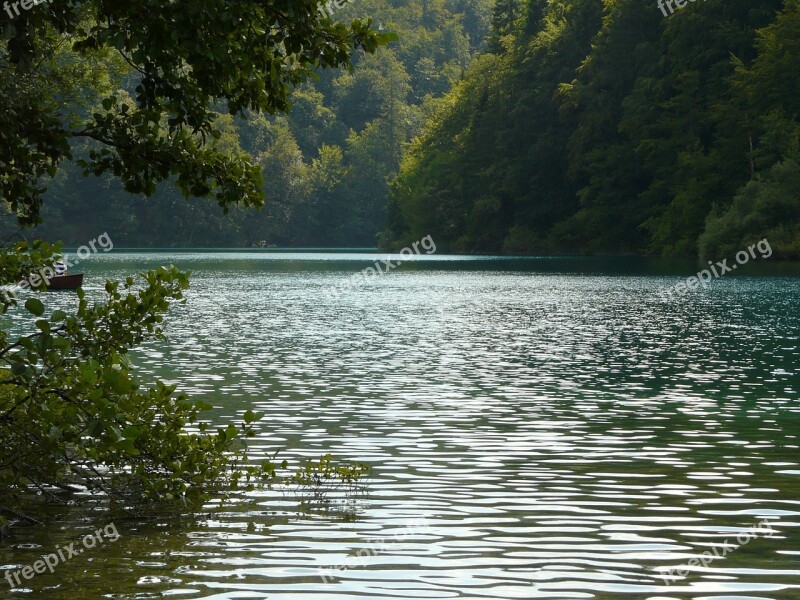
point(564, 432)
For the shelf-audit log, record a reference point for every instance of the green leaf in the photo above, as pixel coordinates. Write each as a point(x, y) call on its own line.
point(131, 432)
point(118, 380)
point(251, 417)
point(19, 368)
point(128, 445)
point(34, 306)
point(95, 428)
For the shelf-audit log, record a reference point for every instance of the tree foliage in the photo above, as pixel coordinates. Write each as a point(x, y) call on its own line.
point(73, 416)
point(184, 59)
point(142, 92)
point(606, 128)
point(378, 105)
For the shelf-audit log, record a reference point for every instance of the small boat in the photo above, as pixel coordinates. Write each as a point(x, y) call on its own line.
point(65, 282)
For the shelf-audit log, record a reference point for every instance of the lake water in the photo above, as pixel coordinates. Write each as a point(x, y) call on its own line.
point(538, 428)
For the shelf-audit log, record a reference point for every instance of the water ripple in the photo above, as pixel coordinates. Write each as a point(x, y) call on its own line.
point(536, 431)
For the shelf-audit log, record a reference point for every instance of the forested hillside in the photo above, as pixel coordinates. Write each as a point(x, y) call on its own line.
point(605, 127)
point(326, 167)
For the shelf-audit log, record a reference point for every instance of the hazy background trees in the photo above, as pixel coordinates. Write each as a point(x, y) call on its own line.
point(326, 166)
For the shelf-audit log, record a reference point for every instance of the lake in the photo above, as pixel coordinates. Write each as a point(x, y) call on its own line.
point(538, 428)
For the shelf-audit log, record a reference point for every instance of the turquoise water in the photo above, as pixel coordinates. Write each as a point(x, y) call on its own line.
point(538, 428)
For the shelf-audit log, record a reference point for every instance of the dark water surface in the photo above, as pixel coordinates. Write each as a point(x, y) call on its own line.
point(538, 428)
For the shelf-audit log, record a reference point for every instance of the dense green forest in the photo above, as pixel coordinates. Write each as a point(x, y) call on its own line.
point(326, 165)
point(603, 127)
point(515, 126)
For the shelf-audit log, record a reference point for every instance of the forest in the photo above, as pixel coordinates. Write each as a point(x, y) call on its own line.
point(605, 128)
point(511, 127)
point(326, 165)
